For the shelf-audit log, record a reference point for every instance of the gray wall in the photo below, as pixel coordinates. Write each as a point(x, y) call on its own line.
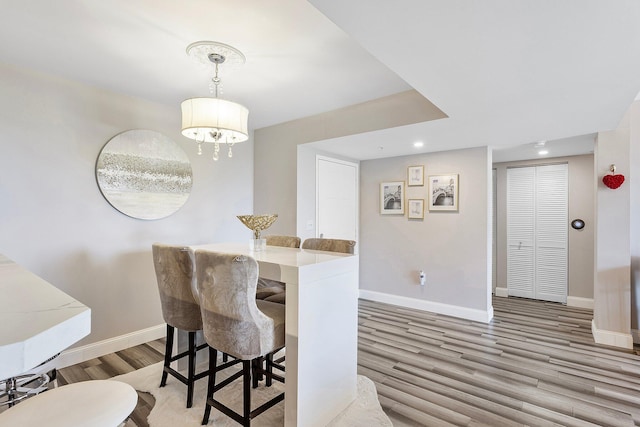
point(467, 273)
point(54, 220)
point(276, 147)
point(612, 289)
point(451, 247)
point(581, 205)
point(634, 190)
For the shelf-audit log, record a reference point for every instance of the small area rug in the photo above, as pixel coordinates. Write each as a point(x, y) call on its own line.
point(170, 411)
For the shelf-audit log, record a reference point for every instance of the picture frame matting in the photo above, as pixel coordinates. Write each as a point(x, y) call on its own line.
point(415, 176)
point(443, 192)
point(415, 208)
point(392, 198)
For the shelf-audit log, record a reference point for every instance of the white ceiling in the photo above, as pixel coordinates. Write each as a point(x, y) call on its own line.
point(581, 144)
point(506, 73)
point(298, 63)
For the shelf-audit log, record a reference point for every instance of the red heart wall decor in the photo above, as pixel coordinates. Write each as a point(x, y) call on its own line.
point(613, 181)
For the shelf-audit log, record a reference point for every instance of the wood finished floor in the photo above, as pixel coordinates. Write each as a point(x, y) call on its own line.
point(535, 364)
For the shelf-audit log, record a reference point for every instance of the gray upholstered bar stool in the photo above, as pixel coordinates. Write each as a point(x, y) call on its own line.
point(268, 287)
point(236, 323)
point(329, 245)
point(180, 309)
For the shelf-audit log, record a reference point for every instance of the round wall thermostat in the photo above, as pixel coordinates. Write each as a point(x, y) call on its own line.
point(577, 224)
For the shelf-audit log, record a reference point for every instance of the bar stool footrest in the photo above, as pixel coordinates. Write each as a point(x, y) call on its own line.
point(13, 390)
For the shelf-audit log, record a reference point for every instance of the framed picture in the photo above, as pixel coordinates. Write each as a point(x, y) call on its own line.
point(416, 208)
point(392, 198)
point(415, 176)
point(443, 193)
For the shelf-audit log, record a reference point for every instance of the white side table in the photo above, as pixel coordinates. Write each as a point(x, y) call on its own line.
point(99, 403)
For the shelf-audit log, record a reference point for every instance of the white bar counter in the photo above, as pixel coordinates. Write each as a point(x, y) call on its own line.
point(37, 320)
point(321, 328)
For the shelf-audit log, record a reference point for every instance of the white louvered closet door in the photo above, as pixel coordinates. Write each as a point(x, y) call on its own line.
point(520, 231)
point(537, 205)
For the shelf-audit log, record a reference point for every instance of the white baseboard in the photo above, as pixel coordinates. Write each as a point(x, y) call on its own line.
point(616, 339)
point(501, 292)
point(635, 333)
point(111, 345)
point(580, 302)
point(435, 307)
point(571, 301)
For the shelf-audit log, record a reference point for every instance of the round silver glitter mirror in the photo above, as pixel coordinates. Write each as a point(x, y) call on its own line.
point(144, 174)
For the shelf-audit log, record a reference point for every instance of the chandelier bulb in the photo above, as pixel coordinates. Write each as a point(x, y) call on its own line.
point(199, 148)
point(230, 152)
point(215, 156)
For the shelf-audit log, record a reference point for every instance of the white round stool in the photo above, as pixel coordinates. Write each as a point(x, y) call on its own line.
point(99, 403)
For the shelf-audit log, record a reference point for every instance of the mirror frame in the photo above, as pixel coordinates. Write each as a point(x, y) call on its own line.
point(144, 174)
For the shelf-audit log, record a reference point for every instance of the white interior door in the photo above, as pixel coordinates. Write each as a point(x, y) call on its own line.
point(337, 198)
point(537, 212)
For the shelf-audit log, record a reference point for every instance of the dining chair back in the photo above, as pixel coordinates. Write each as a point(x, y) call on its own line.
point(174, 267)
point(330, 245)
point(238, 324)
point(283, 241)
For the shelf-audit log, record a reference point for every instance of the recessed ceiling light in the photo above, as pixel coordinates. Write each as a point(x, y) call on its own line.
point(418, 144)
point(543, 152)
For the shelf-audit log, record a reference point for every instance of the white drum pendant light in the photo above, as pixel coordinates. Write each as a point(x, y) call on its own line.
point(214, 120)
